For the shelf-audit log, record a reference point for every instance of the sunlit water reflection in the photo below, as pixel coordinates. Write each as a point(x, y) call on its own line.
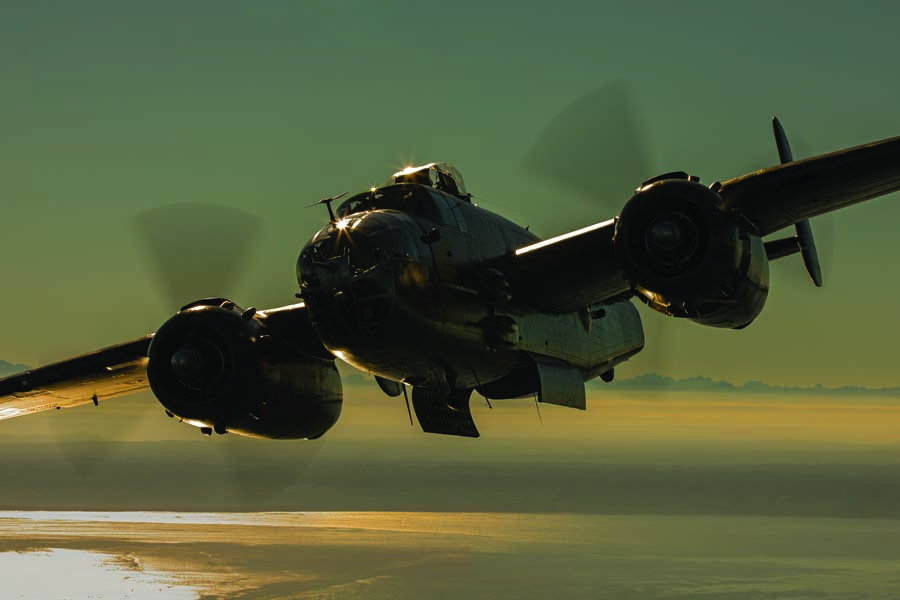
point(443, 555)
point(60, 573)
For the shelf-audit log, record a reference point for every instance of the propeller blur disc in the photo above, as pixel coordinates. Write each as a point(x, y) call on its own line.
point(197, 249)
point(597, 146)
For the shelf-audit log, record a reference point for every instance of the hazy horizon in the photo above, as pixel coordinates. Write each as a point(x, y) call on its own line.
point(674, 452)
point(636, 381)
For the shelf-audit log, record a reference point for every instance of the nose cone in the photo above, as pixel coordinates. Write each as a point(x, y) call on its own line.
point(198, 364)
point(672, 238)
point(665, 235)
point(185, 362)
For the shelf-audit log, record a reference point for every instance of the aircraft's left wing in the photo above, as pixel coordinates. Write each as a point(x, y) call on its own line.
point(101, 375)
point(576, 269)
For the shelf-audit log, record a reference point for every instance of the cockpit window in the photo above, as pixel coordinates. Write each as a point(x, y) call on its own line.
point(440, 176)
point(404, 197)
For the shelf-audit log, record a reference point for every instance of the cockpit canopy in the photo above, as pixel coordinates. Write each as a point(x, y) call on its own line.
point(440, 176)
point(409, 198)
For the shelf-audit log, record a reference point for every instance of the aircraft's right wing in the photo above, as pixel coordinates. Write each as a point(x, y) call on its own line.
point(781, 196)
point(101, 375)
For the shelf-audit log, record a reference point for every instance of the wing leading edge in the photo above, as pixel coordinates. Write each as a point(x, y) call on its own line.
point(568, 272)
point(784, 195)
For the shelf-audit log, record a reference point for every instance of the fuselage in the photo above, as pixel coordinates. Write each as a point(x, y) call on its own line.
point(404, 283)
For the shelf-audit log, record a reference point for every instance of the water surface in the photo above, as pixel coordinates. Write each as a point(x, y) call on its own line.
point(444, 555)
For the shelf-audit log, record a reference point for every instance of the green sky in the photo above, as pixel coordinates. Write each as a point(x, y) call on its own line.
point(108, 109)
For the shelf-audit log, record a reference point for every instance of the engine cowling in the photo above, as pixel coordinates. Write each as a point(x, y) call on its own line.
point(215, 365)
point(686, 257)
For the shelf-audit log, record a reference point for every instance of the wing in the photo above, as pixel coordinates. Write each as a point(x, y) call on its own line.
point(111, 372)
point(580, 268)
point(781, 196)
point(107, 373)
point(567, 272)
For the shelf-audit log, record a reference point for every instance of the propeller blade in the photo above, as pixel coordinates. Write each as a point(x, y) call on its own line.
point(88, 449)
point(261, 470)
point(197, 249)
point(596, 146)
point(822, 226)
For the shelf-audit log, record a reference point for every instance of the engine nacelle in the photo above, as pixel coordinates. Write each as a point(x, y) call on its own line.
point(686, 257)
point(215, 365)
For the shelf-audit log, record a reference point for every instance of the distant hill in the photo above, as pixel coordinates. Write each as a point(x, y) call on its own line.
point(7, 368)
point(647, 381)
point(654, 381)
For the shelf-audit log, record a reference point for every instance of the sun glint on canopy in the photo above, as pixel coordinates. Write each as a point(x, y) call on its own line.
point(441, 176)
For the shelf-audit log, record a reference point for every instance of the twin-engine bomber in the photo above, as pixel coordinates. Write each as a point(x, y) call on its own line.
point(439, 298)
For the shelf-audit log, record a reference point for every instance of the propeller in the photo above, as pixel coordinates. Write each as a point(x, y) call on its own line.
point(75, 435)
point(821, 228)
point(198, 250)
point(597, 148)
